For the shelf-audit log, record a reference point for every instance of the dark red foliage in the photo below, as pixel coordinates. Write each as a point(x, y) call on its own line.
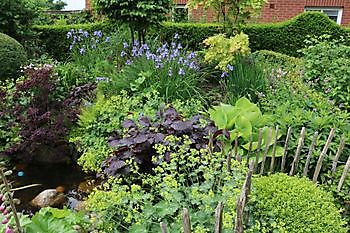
point(138, 143)
point(43, 118)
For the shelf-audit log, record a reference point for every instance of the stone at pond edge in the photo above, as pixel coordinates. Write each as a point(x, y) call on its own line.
point(49, 197)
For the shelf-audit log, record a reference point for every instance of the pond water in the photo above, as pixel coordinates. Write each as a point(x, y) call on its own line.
point(49, 176)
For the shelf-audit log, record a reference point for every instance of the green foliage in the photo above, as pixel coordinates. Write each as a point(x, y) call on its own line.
point(281, 203)
point(341, 197)
point(169, 69)
point(16, 16)
point(287, 37)
point(9, 128)
point(275, 60)
point(222, 50)
point(193, 179)
point(53, 220)
point(242, 121)
point(139, 15)
point(53, 38)
point(245, 78)
point(99, 120)
point(191, 35)
point(292, 103)
point(12, 56)
point(327, 70)
point(234, 13)
point(82, 17)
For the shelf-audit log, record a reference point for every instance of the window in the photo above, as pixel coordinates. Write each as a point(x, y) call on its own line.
point(180, 13)
point(333, 13)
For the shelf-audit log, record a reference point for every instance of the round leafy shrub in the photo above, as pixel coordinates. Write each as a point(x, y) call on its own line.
point(281, 203)
point(12, 56)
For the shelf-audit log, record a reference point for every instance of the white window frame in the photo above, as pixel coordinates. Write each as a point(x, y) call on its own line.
point(322, 9)
point(182, 6)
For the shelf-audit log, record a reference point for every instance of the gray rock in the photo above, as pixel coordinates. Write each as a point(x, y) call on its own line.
point(49, 197)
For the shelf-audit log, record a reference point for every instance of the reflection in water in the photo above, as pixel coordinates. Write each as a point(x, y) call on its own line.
point(64, 177)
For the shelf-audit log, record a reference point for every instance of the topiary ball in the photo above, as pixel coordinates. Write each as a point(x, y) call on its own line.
point(281, 203)
point(12, 56)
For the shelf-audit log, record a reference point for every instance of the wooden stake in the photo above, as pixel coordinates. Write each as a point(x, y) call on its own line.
point(322, 155)
point(258, 150)
point(336, 157)
point(309, 155)
point(272, 164)
point(285, 150)
point(218, 217)
point(297, 153)
point(186, 221)
point(343, 176)
point(243, 199)
point(163, 227)
point(267, 147)
point(238, 157)
point(250, 147)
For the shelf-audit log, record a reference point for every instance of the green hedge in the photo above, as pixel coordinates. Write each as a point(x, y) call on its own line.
point(54, 37)
point(285, 37)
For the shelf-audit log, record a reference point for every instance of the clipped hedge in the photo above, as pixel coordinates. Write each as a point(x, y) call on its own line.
point(285, 37)
point(54, 37)
point(281, 203)
point(12, 56)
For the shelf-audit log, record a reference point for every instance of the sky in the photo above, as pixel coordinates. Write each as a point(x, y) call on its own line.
point(75, 4)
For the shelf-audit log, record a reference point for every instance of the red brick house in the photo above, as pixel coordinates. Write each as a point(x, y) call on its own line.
point(280, 10)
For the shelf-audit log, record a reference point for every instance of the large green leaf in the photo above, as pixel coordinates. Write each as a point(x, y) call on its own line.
point(244, 126)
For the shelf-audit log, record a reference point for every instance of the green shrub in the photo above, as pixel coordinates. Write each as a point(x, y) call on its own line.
point(285, 37)
point(12, 56)
point(327, 70)
point(275, 60)
point(281, 203)
point(54, 37)
point(192, 178)
point(100, 119)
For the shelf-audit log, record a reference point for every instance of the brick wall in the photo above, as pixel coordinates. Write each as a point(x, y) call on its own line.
point(279, 10)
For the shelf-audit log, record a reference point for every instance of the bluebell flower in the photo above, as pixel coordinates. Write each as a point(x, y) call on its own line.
point(179, 46)
point(128, 62)
point(229, 67)
point(181, 71)
point(82, 51)
point(81, 31)
point(123, 53)
point(176, 36)
point(125, 45)
point(98, 33)
point(224, 74)
point(193, 65)
point(70, 47)
point(69, 34)
point(97, 41)
point(170, 73)
point(108, 39)
point(86, 34)
point(134, 51)
point(99, 79)
point(191, 55)
point(180, 61)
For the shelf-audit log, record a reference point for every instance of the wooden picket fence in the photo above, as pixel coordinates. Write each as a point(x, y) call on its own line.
point(253, 167)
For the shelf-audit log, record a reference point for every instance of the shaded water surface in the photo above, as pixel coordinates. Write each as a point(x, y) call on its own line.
point(49, 176)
